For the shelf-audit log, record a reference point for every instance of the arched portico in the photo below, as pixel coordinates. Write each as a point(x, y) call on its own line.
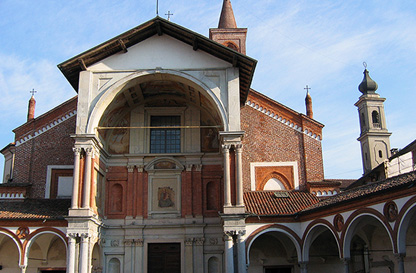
point(406, 236)
point(321, 248)
point(45, 248)
point(10, 251)
point(368, 243)
point(273, 247)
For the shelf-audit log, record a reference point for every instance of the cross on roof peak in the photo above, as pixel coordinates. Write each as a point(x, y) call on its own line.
point(33, 91)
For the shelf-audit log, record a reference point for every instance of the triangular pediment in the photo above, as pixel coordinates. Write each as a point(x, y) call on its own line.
point(160, 27)
point(160, 52)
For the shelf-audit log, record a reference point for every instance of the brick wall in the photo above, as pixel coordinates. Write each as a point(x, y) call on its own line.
point(51, 147)
point(270, 140)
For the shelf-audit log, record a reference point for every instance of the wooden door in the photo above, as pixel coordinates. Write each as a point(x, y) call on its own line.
point(164, 258)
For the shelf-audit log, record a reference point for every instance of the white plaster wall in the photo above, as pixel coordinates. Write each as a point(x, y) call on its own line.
point(160, 51)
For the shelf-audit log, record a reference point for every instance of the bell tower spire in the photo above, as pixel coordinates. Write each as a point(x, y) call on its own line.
point(374, 136)
point(227, 19)
point(227, 32)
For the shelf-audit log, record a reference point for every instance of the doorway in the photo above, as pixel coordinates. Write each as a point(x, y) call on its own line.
point(164, 258)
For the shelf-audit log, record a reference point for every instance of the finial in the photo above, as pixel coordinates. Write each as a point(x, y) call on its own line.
point(157, 7)
point(367, 85)
point(365, 65)
point(33, 91)
point(168, 14)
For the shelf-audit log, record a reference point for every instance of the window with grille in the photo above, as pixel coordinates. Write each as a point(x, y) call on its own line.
point(165, 139)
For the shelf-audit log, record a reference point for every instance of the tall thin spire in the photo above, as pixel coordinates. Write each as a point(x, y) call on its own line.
point(31, 106)
point(227, 19)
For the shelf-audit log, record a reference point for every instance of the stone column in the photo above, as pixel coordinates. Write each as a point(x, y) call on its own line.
point(189, 255)
point(229, 255)
point(303, 267)
point(346, 262)
point(75, 186)
point(227, 179)
point(87, 179)
point(199, 255)
point(400, 262)
point(242, 263)
point(71, 258)
point(138, 257)
point(84, 261)
point(239, 174)
point(129, 255)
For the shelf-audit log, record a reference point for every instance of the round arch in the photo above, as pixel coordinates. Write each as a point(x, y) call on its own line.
point(279, 176)
point(408, 213)
point(294, 238)
point(313, 230)
point(105, 100)
point(42, 231)
point(16, 241)
point(354, 222)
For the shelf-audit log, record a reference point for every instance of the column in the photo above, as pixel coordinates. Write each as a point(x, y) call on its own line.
point(87, 179)
point(303, 267)
point(75, 186)
point(346, 265)
point(71, 254)
point(227, 180)
point(128, 255)
point(229, 259)
point(199, 255)
point(84, 262)
point(239, 174)
point(400, 262)
point(242, 263)
point(138, 258)
point(189, 255)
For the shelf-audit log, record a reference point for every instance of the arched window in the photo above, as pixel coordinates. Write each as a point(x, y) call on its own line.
point(231, 45)
point(114, 266)
point(376, 119)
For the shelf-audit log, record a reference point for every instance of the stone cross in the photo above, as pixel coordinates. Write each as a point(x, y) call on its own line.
point(169, 14)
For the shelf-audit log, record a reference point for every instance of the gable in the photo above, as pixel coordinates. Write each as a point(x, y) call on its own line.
point(159, 51)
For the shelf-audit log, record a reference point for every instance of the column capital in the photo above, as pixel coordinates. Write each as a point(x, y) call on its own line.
point(199, 241)
point(140, 168)
point(130, 168)
point(71, 236)
point(138, 242)
point(77, 150)
point(189, 241)
point(84, 237)
point(89, 151)
point(189, 167)
point(238, 147)
point(303, 266)
point(226, 147)
point(198, 167)
point(128, 242)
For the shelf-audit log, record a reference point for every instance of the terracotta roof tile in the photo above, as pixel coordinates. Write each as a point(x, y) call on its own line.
point(267, 203)
point(35, 209)
point(404, 180)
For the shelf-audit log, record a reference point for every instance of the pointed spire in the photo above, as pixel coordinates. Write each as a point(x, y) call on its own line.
point(368, 85)
point(31, 108)
point(308, 103)
point(227, 19)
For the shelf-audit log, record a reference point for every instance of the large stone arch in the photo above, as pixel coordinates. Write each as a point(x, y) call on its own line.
point(277, 229)
point(359, 218)
point(102, 102)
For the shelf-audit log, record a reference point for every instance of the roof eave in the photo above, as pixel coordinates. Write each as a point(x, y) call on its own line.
point(72, 67)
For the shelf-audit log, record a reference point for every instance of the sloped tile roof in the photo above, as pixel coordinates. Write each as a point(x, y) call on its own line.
point(266, 202)
point(35, 209)
point(404, 180)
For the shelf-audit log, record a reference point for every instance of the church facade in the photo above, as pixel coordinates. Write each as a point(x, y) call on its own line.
point(168, 161)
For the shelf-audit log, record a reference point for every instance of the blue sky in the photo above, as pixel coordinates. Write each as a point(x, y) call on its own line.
point(317, 43)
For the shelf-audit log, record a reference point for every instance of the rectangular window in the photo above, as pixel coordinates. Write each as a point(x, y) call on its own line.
point(165, 139)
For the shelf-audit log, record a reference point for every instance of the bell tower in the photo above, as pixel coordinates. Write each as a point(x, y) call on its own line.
point(227, 32)
point(374, 136)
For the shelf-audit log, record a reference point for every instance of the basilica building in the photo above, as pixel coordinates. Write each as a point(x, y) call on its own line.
point(166, 160)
